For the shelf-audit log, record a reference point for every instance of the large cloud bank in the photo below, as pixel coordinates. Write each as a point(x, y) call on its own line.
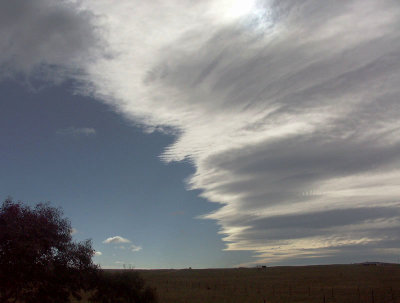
point(288, 110)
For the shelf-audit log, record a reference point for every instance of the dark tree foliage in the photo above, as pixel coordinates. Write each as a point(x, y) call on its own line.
point(122, 286)
point(39, 262)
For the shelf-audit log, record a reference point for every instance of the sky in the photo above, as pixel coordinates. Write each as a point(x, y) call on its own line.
point(207, 133)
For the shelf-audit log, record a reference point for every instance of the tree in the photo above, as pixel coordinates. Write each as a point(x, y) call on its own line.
point(39, 262)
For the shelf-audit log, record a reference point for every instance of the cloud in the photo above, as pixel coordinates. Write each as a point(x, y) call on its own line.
point(115, 240)
point(289, 113)
point(38, 36)
point(77, 131)
point(74, 231)
point(289, 116)
point(98, 253)
point(135, 248)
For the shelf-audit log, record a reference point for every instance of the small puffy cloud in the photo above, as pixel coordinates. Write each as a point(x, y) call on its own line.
point(77, 131)
point(116, 239)
point(98, 253)
point(135, 248)
point(73, 231)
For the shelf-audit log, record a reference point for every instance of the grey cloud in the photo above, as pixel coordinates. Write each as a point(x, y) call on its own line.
point(285, 172)
point(322, 224)
point(384, 251)
point(337, 217)
point(43, 34)
point(310, 156)
point(277, 229)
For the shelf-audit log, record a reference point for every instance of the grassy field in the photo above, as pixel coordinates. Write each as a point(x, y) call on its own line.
point(333, 283)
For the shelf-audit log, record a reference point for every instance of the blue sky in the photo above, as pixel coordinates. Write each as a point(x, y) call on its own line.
point(110, 182)
point(209, 133)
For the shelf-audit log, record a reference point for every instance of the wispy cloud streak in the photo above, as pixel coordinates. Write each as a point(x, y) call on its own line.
point(135, 248)
point(77, 131)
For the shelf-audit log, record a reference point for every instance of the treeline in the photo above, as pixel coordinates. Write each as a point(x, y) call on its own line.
point(39, 262)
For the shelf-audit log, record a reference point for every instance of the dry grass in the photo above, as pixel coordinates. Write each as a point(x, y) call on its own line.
point(334, 283)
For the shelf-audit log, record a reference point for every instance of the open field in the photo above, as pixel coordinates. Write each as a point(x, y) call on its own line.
point(333, 283)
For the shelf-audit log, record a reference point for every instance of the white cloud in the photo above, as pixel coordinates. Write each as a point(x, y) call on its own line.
point(74, 231)
point(277, 111)
point(98, 253)
point(115, 240)
point(135, 248)
point(289, 113)
point(77, 131)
